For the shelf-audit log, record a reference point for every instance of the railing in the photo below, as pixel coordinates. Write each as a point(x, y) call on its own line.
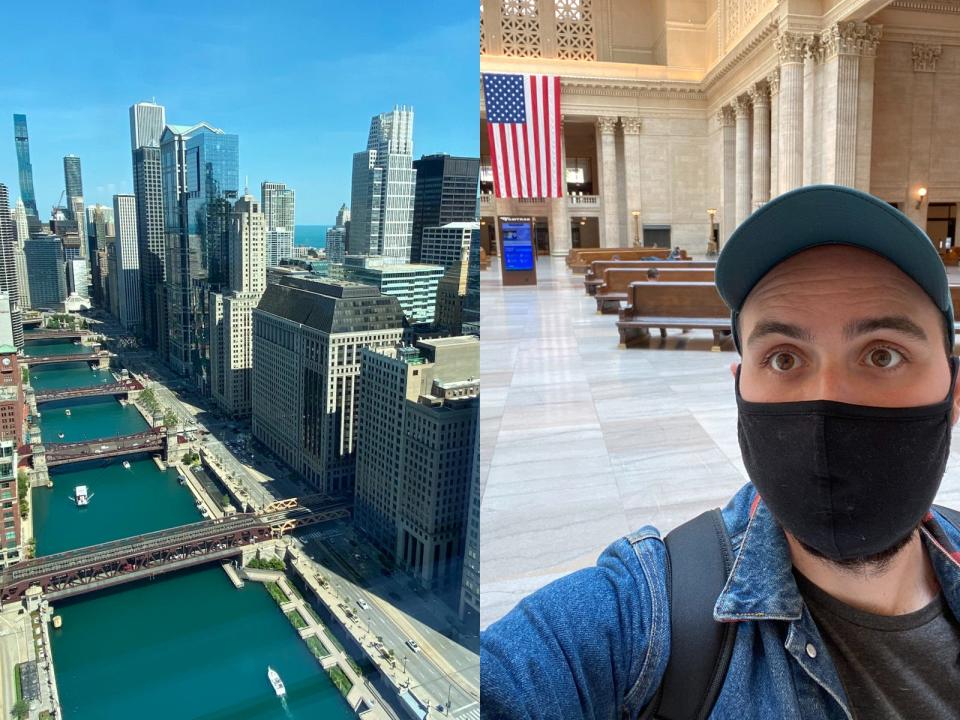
point(591, 201)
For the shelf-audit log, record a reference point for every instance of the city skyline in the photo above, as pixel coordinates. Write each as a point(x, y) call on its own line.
point(301, 124)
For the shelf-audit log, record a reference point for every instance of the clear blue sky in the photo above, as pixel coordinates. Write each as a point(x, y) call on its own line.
point(297, 80)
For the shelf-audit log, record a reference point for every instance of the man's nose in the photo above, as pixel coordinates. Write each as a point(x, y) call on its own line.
point(832, 383)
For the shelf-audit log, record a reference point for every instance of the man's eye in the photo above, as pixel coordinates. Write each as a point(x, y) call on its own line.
point(884, 358)
point(784, 361)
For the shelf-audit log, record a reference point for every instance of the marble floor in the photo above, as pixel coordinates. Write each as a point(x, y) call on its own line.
point(582, 441)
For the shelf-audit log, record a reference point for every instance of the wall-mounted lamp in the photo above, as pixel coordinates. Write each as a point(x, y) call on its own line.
point(583, 221)
point(921, 196)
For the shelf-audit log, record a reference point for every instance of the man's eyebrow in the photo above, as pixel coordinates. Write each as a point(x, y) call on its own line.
point(775, 327)
point(897, 323)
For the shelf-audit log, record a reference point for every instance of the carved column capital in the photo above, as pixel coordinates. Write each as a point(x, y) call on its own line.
point(814, 48)
point(741, 106)
point(759, 94)
point(925, 57)
point(773, 82)
point(790, 47)
point(725, 116)
point(606, 125)
point(631, 125)
point(851, 38)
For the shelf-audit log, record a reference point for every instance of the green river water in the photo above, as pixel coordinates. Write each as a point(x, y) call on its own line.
point(186, 645)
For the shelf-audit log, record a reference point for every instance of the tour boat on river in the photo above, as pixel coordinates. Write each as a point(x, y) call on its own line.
point(80, 496)
point(277, 683)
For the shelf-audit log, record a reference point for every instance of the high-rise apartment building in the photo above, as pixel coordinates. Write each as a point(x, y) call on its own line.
point(278, 203)
point(471, 305)
point(307, 340)
point(446, 244)
point(147, 121)
point(381, 201)
point(129, 299)
point(415, 286)
point(336, 244)
point(419, 409)
point(11, 549)
point(451, 295)
point(470, 585)
point(200, 180)
point(45, 267)
point(8, 266)
point(446, 192)
point(22, 231)
point(78, 277)
point(231, 323)
point(72, 180)
point(22, 140)
point(100, 227)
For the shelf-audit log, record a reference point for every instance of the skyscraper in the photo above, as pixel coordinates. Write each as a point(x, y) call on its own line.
point(381, 201)
point(444, 245)
point(22, 140)
point(100, 228)
point(230, 331)
point(337, 236)
point(147, 121)
point(129, 298)
point(72, 179)
point(446, 192)
point(307, 338)
point(200, 179)
point(45, 266)
point(279, 208)
point(451, 294)
point(8, 266)
point(418, 416)
point(22, 232)
point(470, 585)
point(471, 304)
point(415, 286)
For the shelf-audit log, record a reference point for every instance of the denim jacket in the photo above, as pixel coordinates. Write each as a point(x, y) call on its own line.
point(594, 644)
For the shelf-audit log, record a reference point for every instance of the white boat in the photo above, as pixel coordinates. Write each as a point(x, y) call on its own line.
point(80, 496)
point(277, 683)
point(126, 465)
point(68, 412)
point(60, 435)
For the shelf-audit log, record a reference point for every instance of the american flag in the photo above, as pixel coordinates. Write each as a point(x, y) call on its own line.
point(526, 143)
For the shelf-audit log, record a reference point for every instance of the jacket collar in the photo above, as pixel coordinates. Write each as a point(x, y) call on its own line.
point(761, 585)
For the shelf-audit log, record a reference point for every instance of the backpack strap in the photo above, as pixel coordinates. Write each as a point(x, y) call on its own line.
point(950, 514)
point(699, 559)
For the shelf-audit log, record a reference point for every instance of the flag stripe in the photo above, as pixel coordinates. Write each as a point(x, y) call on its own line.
point(494, 163)
point(533, 120)
point(557, 155)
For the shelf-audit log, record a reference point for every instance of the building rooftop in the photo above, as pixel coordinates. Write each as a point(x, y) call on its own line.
point(460, 225)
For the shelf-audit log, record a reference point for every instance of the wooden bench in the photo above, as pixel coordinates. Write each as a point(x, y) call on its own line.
point(594, 276)
point(583, 260)
point(617, 281)
point(684, 305)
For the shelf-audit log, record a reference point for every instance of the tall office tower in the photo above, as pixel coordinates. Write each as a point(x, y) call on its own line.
point(381, 201)
point(72, 180)
point(451, 295)
point(470, 585)
point(446, 244)
point(8, 266)
point(45, 266)
point(78, 215)
point(446, 192)
point(419, 409)
point(279, 208)
point(129, 299)
point(231, 340)
point(20, 223)
point(99, 228)
point(200, 166)
point(78, 277)
point(336, 244)
point(112, 286)
point(147, 121)
point(22, 140)
point(415, 286)
point(471, 305)
point(307, 337)
point(343, 216)
point(22, 232)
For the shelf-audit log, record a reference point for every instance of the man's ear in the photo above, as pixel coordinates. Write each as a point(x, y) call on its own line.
point(735, 365)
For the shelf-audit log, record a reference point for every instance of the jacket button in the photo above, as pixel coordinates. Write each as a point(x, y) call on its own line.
point(811, 650)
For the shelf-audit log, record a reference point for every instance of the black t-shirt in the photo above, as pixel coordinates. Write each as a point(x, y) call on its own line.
point(896, 667)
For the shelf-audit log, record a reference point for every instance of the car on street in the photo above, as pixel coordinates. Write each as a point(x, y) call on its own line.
point(362, 604)
point(412, 644)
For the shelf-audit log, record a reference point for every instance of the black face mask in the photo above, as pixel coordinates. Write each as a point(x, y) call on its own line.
point(847, 480)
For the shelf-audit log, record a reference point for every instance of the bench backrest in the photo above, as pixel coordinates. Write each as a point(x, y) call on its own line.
point(583, 260)
point(617, 280)
point(595, 271)
point(675, 299)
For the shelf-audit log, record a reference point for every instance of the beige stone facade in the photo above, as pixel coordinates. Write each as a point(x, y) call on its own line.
point(672, 109)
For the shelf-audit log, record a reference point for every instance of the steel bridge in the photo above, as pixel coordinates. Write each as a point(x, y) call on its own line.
point(51, 334)
point(35, 360)
point(152, 440)
point(75, 572)
point(116, 388)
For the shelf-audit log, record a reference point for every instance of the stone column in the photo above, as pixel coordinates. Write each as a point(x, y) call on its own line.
point(773, 82)
point(742, 108)
point(631, 169)
point(790, 47)
point(728, 188)
point(841, 65)
point(868, 58)
point(811, 109)
point(559, 220)
point(610, 231)
point(761, 144)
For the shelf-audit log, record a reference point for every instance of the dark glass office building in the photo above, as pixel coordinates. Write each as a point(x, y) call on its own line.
point(446, 191)
point(22, 140)
point(45, 270)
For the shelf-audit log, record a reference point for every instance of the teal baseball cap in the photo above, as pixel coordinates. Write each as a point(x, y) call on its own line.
point(827, 215)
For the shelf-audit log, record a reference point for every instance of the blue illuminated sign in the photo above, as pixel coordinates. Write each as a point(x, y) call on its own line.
point(517, 247)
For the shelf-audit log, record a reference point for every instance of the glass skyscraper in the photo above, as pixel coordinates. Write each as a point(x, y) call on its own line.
point(200, 180)
point(22, 140)
point(381, 201)
point(147, 121)
point(72, 179)
point(45, 266)
point(446, 192)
